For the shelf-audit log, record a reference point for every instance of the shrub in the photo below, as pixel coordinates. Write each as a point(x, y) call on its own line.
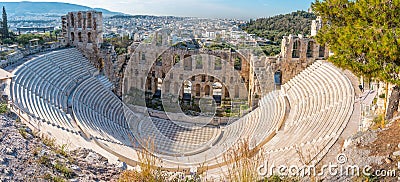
point(148, 169)
point(48, 141)
point(67, 172)
point(62, 150)
point(57, 179)
point(242, 162)
point(3, 108)
point(44, 160)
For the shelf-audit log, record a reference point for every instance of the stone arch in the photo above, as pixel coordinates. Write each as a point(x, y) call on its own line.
point(296, 49)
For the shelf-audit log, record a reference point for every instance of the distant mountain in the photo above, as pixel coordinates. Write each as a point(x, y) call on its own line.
point(26, 8)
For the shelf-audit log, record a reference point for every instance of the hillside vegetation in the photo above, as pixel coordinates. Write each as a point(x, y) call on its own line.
point(275, 27)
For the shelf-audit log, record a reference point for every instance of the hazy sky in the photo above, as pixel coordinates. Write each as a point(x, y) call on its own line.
point(243, 9)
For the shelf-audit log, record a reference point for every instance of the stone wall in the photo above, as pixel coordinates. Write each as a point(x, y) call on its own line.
point(149, 67)
point(84, 30)
point(298, 52)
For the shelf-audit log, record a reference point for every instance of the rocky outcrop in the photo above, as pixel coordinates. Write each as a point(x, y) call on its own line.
point(23, 156)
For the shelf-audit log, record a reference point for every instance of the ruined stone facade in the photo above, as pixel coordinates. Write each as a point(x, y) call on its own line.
point(154, 67)
point(185, 74)
point(84, 30)
point(298, 52)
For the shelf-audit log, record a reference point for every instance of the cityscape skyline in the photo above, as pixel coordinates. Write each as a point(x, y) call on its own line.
point(195, 8)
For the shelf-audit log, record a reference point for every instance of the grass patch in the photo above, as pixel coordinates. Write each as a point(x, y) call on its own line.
point(48, 141)
point(23, 132)
point(242, 162)
point(57, 179)
point(36, 151)
point(44, 160)
point(148, 171)
point(3, 108)
point(62, 150)
point(62, 168)
point(377, 122)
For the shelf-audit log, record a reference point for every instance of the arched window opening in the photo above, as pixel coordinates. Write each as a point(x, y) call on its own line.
point(296, 49)
point(80, 36)
point(197, 90)
point(72, 20)
point(89, 20)
point(238, 63)
point(217, 92)
point(207, 90)
point(187, 63)
point(72, 36)
point(79, 20)
point(177, 59)
point(237, 91)
point(159, 61)
point(199, 62)
point(187, 90)
point(89, 37)
point(310, 49)
point(321, 51)
point(278, 77)
point(218, 64)
point(158, 85)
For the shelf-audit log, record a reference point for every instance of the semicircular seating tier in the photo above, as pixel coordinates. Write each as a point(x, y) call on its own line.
point(297, 124)
point(42, 85)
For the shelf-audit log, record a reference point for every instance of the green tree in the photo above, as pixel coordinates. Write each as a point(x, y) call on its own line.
point(4, 30)
point(363, 35)
point(24, 38)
